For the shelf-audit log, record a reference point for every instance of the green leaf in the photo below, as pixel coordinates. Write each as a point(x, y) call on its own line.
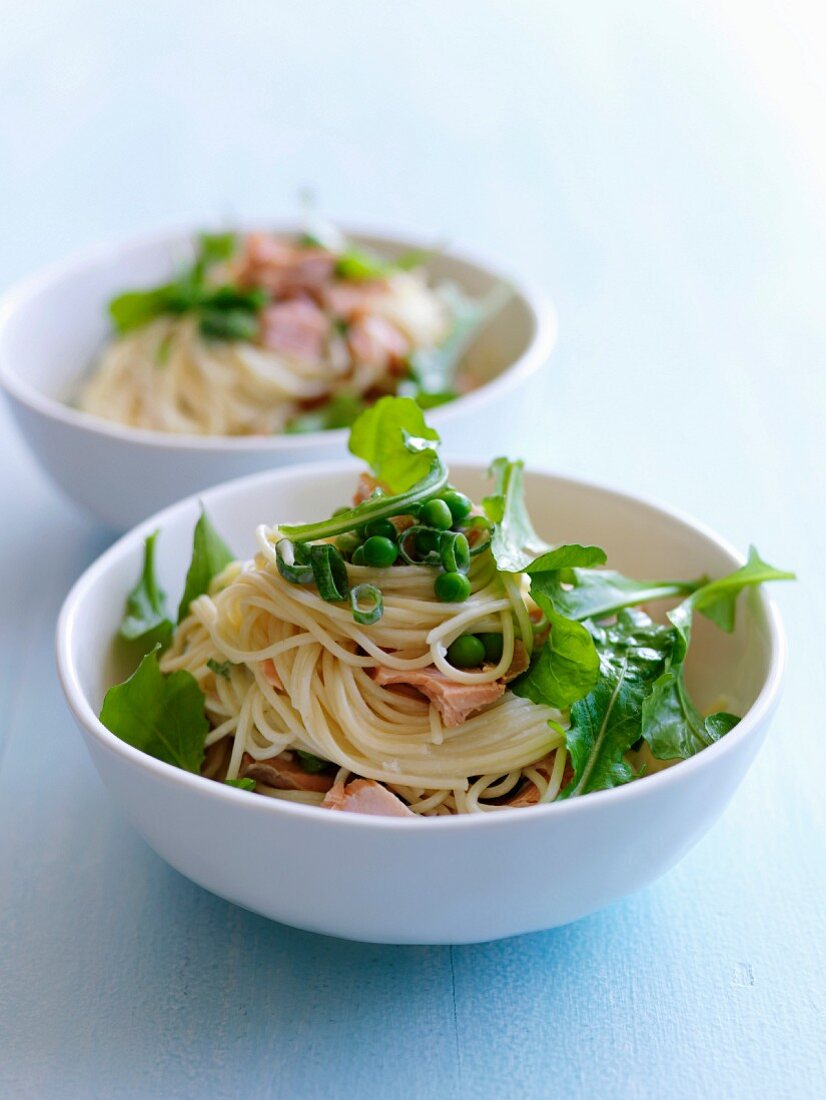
point(135, 308)
point(358, 265)
point(600, 593)
point(311, 763)
point(340, 411)
point(672, 725)
point(514, 543)
point(242, 784)
point(210, 555)
point(608, 721)
point(146, 619)
point(228, 324)
point(433, 369)
point(395, 442)
point(216, 247)
point(434, 400)
point(160, 715)
point(566, 667)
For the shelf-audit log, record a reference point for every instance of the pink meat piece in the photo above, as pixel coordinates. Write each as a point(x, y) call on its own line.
point(283, 268)
point(284, 772)
point(454, 702)
point(295, 328)
point(366, 796)
point(375, 340)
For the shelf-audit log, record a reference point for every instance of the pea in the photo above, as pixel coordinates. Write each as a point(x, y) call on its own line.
point(437, 514)
point(379, 552)
point(493, 647)
point(459, 505)
point(426, 540)
point(348, 542)
point(467, 651)
point(358, 556)
point(452, 587)
point(381, 527)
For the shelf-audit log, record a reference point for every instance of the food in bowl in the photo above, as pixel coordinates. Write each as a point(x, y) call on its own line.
point(416, 653)
point(267, 333)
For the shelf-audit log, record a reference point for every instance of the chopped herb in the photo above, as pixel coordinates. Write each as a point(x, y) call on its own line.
point(220, 669)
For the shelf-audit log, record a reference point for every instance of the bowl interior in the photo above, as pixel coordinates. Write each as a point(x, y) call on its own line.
point(53, 326)
point(640, 539)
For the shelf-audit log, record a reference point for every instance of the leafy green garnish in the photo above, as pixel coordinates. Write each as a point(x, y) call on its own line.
point(160, 715)
point(146, 619)
point(358, 265)
point(242, 784)
point(515, 544)
point(339, 412)
point(224, 312)
point(312, 763)
point(210, 555)
point(567, 666)
point(433, 369)
point(219, 668)
point(599, 593)
point(395, 442)
point(608, 721)
point(672, 725)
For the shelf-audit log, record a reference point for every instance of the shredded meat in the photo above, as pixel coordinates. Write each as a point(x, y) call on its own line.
point(454, 702)
point(366, 796)
point(297, 328)
point(375, 340)
point(283, 268)
point(283, 772)
point(348, 300)
point(519, 663)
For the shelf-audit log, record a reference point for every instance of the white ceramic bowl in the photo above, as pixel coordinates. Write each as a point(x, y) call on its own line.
point(53, 325)
point(437, 880)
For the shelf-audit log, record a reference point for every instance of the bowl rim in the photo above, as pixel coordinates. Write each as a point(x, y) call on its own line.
point(758, 714)
point(24, 290)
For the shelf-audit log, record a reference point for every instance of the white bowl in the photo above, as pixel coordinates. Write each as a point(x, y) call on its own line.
point(435, 880)
point(53, 325)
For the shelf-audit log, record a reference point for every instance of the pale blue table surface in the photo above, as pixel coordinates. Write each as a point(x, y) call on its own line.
point(659, 169)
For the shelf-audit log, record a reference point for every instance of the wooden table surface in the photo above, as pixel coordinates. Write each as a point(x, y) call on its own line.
point(659, 169)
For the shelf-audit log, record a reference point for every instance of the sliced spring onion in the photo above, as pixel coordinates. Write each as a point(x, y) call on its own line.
point(375, 508)
point(329, 572)
point(479, 523)
point(407, 548)
point(293, 560)
point(454, 552)
point(367, 604)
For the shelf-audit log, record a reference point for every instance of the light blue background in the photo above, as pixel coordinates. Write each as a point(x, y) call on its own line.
point(659, 169)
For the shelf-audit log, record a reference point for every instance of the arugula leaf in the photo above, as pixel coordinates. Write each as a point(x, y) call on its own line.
point(311, 763)
point(146, 619)
point(608, 721)
point(228, 324)
point(433, 400)
point(219, 668)
point(433, 369)
point(135, 308)
point(160, 715)
point(242, 784)
point(339, 412)
point(395, 442)
point(210, 555)
point(567, 666)
point(599, 593)
point(216, 247)
point(672, 725)
point(515, 544)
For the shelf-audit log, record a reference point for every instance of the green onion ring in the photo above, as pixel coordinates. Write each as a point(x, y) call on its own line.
point(454, 552)
point(288, 555)
point(329, 572)
point(367, 604)
point(432, 557)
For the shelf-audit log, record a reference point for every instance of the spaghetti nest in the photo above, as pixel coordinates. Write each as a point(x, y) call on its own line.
point(298, 673)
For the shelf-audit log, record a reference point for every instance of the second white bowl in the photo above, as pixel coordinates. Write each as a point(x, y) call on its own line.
point(53, 325)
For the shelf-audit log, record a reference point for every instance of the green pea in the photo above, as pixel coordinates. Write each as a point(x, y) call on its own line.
point(452, 587)
point(348, 543)
point(436, 514)
point(460, 506)
point(493, 647)
point(358, 556)
point(467, 651)
point(381, 527)
point(379, 552)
